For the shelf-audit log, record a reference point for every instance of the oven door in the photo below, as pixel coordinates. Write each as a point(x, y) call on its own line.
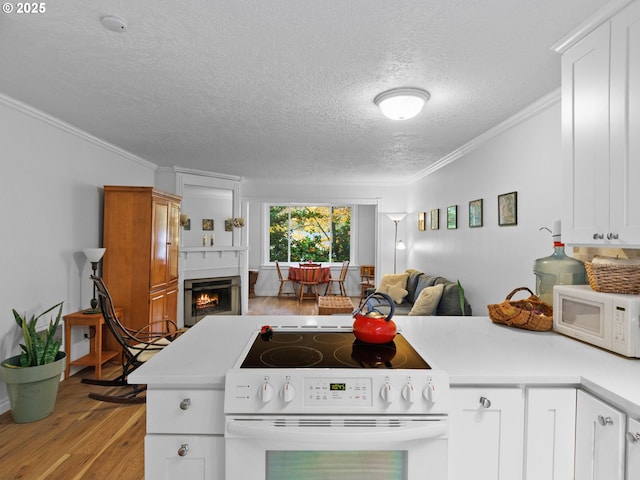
point(345, 447)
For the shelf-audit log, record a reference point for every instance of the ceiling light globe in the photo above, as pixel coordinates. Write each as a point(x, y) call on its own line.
point(401, 103)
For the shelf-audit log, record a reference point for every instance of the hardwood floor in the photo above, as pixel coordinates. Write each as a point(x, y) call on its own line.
point(87, 439)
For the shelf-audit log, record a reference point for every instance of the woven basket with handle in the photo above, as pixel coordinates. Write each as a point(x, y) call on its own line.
point(530, 313)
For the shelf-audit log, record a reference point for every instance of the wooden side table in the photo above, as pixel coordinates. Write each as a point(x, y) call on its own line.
point(96, 356)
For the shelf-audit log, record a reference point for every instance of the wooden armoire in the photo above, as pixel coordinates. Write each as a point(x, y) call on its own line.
point(141, 235)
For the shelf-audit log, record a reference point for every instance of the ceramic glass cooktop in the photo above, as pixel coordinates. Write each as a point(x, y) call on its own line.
point(320, 349)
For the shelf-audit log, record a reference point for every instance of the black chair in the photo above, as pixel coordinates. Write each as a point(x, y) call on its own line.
point(137, 347)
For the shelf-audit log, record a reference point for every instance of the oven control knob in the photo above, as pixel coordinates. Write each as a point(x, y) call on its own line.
point(287, 392)
point(266, 392)
point(429, 393)
point(409, 393)
point(386, 392)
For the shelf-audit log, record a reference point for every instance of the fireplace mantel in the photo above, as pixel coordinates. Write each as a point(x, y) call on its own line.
point(204, 251)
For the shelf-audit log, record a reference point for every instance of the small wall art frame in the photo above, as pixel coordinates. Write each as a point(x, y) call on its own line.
point(452, 217)
point(475, 213)
point(508, 209)
point(207, 224)
point(434, 217)
point(422, 221)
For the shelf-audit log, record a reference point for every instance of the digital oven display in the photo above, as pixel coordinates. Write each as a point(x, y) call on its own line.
point(337, 386)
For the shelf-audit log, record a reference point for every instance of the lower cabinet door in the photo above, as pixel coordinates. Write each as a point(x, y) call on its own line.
point(192, 457)
point(486, 436)
point(633, 449)
point(550, 427)
point(600, 445)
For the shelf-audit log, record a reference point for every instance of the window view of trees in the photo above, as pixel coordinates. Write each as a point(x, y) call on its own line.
point(309, 233)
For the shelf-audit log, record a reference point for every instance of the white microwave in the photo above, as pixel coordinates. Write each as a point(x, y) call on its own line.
point(606, 320)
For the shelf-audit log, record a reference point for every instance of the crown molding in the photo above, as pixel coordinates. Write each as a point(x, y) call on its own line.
point(71, 129)
point(524, 114)
point(594, 21)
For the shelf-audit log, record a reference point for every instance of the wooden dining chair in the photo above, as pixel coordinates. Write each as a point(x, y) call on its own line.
point(283, 282)
point(309, 281)
point(340, 281)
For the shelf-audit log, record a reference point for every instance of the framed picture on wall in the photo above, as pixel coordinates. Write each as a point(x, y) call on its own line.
point(475, 213)
point(434, 216)
point(207, 224)
point(422, 221)
point(508, 209)
point(452, 217)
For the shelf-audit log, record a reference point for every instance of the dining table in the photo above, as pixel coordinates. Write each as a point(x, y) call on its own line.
point(325, 274)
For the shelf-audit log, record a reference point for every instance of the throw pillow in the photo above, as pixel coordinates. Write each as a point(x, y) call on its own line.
point(394, 285)
point(427, 301)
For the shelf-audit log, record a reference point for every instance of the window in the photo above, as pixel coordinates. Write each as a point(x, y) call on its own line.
point(318, 233)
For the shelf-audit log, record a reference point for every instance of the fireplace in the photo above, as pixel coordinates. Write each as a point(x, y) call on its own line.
point(210, 296)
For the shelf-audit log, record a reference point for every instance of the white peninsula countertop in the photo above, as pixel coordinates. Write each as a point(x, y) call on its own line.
point(472, 350)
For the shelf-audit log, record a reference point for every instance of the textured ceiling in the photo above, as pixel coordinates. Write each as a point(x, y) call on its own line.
point(285, 88)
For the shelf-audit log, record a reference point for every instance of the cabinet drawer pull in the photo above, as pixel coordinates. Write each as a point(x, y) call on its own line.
point(183, 450)
point(185, 404)
point(633, 437)
point(612, 236)
point(598, 236)
point(604, 421)
point(485, 402)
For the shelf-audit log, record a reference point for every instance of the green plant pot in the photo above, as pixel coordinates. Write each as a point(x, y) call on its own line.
point(32, 390)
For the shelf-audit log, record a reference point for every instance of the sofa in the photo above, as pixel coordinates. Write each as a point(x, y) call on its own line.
point(441, 301)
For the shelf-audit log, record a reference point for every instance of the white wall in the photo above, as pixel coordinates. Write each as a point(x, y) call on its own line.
point(490, 261)
point(51, 209)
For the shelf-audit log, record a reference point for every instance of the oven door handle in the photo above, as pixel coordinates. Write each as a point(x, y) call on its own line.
point(256, 430)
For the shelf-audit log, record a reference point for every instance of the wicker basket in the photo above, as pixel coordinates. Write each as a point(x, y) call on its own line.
point(530, 313)
point(613, 278)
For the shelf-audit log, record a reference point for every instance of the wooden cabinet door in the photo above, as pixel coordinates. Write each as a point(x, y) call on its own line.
point(550, 427)
point(157, 310)
point(585, 130)
point(171, 304)
point(625, 125)
point(633, 449)
point(486, 435)
point(159, 241)
point(173, 242)
point(600, 431)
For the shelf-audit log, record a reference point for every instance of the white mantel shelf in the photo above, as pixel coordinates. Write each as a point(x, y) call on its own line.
point(185, 251)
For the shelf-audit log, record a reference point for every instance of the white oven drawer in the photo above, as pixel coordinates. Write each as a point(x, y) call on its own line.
point(185, 411)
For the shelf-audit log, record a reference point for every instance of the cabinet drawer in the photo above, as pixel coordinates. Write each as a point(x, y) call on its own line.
point(192, 457)
point(185, 411)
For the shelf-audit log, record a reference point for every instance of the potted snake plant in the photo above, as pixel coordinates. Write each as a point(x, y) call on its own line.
point(32, 377)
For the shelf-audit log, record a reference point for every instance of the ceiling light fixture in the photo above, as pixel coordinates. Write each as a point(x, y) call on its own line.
point(401, 103)
point(113, 23)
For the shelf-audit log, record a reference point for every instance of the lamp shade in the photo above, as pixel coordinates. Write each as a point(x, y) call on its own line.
point(396, 217)
point(401, 103)
point(94, 254)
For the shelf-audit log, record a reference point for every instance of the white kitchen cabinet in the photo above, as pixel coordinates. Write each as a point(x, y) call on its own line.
point(600, 121)
point(633, 449)
point(600, 440)
point(193, 457)
point(185, 434)
point(550, 433)
point(486, 436)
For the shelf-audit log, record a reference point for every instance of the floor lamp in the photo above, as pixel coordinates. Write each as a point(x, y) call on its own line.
point(93, 255)
point(396, 218)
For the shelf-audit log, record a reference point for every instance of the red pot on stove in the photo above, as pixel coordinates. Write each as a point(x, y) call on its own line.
point(374, 327)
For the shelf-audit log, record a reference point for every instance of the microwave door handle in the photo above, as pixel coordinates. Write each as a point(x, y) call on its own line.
point(423, 431)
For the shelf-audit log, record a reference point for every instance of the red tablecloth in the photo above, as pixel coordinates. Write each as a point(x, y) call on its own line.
point(325, 274)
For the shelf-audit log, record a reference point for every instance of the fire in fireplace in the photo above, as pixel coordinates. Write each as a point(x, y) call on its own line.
point(210, 296)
